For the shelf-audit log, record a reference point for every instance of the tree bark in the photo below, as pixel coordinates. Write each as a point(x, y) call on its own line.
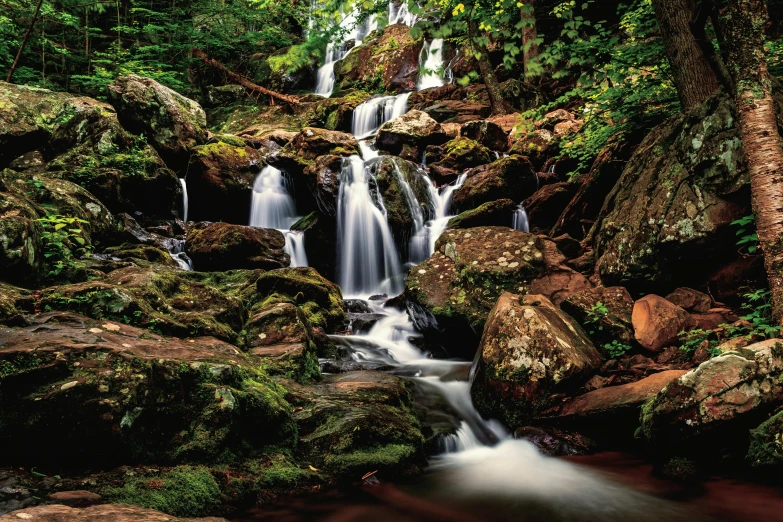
point(744, 28)
point(497, 104)
point(24, 42)
point(693, 75)
point(529, 35)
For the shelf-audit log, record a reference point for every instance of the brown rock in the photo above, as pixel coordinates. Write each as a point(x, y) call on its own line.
point(566, 128)
point(102, 513)
point(487, 133)
point(223, 246)
point(553, 118)
point(615, 324)
point(78, 497)
point(657, 322)
point(511, 177)
point(546, 204)
point(690, 299)
point(535, 145)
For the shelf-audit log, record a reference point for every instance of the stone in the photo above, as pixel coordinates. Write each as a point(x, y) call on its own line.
point(489, 134)
point(554, 117)
point(492, 213)
point(567, 128)
point(308, 145)
point(554, 442)
point(657, 322)
point(766, 444)
point(457, 155)
point(546, 204)
point(21, 249)
point(172, 123)
point(412, 128)
point(537, 146)
point(113, 512)
point(323, 180)
point(615, 324)
point(223, 246)
point(691, 300)
point(79, 497)
point(512, 177)
point(530, 351)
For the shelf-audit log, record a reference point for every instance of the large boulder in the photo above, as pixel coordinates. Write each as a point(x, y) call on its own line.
point(333, 113)
point(669, 216)
point(388, 60)
point(413, 128)
point(311, 143)
point(223, 246)
point(489, 134)
point(545, 206)
point(119, 394)
point(492, 213)
point(21, 250)
point(323, 180)
point(172, 123)
point(457, 155)
point(219, 175)
point(657, 322)
point(449, 295)
point(530, 351)
point(538, 146)
point(716, 404)
point(766, 444)
point(512, 177)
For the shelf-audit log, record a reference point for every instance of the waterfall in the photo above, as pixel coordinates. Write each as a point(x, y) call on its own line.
point(176, 249)
point(324, 78)
point(369, 263)
point(272, 206)
point(422, 244)
point(434, 67)
point(519, 221)
point(399, 14)
point(184, 199)
point(370, 115)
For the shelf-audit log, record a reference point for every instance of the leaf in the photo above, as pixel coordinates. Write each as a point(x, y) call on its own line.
point(313, 468)
point(60, 226)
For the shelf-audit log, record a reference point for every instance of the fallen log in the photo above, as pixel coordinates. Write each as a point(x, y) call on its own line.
point(243, 81)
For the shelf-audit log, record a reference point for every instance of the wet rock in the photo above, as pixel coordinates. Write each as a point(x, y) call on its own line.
point(545, 205)
point(118, 393)
point(489, 134)
point(457, 155)
point(766, 444)
point(691, 300)
point(113, 512)
point(323, 180)
point(674, 203)
point(412, 128)
point(172, 123)
point(219, 175)
point(492, 213)
point(450, 295)
point(512, 177)
point(614, 324)
point(714, 405)
point(554, 442)
point(530, 350)
point(657, 322)
point(311, 143)
point(537, 146)
point(223, 246)
point(333, 113)
point(320, 232)
point(388, 60)
point(21, 250)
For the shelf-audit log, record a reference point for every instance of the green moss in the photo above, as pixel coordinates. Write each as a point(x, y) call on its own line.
point(305, 222)
point(232, 140)
point(389, 458)
point(183, 491)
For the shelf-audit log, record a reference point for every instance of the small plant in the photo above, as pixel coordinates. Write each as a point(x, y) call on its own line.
point(748, 238)
point(759, 305)
point(64, 242)
point(692, 339)
point(594, 316)
point(617, 349)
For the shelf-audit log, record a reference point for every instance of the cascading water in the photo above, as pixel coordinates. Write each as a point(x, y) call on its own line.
point(519, 220)
point(370, 115)
point(422, 244)
point(399, 14)
point(184, 199)
point(369, 262)
point(434, 66)
point(176, 249)
point(273, 207)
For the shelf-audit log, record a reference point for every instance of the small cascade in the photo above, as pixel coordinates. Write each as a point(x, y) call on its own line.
point(519, 221)
point(434, 74)
point(422, 244)
point(324, 78)
point(272, 206)
point(176, 249)
point(370, 115)
point(399, 14)
point(369, 263)
point(184, 199)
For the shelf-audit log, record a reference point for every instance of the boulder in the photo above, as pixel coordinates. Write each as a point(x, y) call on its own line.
point(172, 123)
point(489, 134)
point(14, 304)
point(604, 327)
point(323, 180)
point(657, 322)
point(766, 444)
point(412, 128)
point(457, 155)
point(668, 218)
point(223, 246)
point(566, 128)
point(21, 248)
point(311, 143)
point(512, 177)
point(333, 113)
point(530, 351)
point(714, 405)
point(557, 281)
point(118, 394)
point(113, 512)
point(449, 295)
point(538, 146)
point(690, 300)
point(546, 204)
point(388, 61)
point(320, 232)
point(552, 118)
point(219, 175)
point(492, 213)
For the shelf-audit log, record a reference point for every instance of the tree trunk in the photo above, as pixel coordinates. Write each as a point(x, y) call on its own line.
point(744, 28)
point(693, 75)
point(529, 36)
point(24, 42)
point(497, 104)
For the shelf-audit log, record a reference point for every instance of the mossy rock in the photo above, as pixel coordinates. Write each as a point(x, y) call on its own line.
point(492, 213)
point(21, 247)
point(223, 246)
point(462, 153)
point(512, 177)
point(15, 303)
point(766, 444)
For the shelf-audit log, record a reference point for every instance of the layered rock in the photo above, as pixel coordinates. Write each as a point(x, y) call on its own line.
point(223, 246)
point(311, 143)
point(414, 128)
point(530, 350)
point(512, 177)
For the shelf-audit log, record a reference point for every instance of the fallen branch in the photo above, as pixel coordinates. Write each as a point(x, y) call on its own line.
point(241, 80)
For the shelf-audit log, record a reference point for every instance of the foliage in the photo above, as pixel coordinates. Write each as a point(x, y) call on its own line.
point(748, 238)
point(691, 340)
point(617, 349)
point(758, 304)
point(63, 241)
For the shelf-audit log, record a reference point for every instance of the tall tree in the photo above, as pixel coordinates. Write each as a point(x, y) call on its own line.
point(693, 75)
point(743, 24)
point(24, 41)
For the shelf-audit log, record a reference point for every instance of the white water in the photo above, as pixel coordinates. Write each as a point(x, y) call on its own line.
point(273, 206)
point(369, 262)
point(176, 249)
point(399, 14)
point(433, 64)
point(422, 244)
point(370, 115)
point(184, 199)
point(519, 221)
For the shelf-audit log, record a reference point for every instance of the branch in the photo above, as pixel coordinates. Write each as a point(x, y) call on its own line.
point(704, 13)
point(241, 80)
